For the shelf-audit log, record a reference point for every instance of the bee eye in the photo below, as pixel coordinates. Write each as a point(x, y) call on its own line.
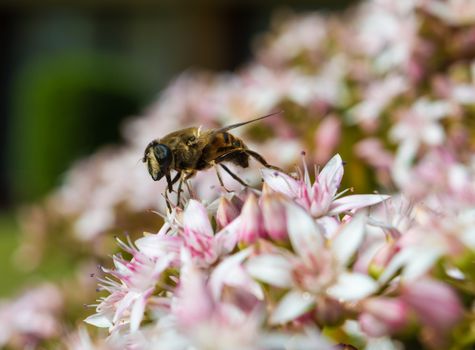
point(161, 151)
point(163, 154)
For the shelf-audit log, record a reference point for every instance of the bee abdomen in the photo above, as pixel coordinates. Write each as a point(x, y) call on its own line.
point(229, 143)
point(223, 147)
point(226, 141)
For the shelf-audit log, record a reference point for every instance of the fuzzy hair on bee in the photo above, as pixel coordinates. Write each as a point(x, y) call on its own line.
point(193, 149)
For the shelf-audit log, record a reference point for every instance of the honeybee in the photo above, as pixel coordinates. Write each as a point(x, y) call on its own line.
point(190, 150)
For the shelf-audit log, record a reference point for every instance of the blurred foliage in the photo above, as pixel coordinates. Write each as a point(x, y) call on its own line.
point(66, 98)
point(9, 236)
point(15, 277)
point(63, 108)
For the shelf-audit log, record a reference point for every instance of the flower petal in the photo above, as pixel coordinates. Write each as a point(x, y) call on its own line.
point(331, 175)
point(355, 201)
point(328, 225)
point(124, 304)
point(240, 279)
point(348, 239)
point(291, 306)
point(304, 234)
point(227, 238)
point(226, 212)
point(399, 260)
point(272, 269)
point(222, 273)
point(424, 259)
point(136, 315)
point(195, 218)
point(281, 182)
point(192, 287)
point(352, 287)
point(415, 260)
point(99, 320)
point(158, 245)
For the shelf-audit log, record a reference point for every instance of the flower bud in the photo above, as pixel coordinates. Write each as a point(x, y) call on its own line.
point(226, 212)
point(436, 304)
point(274, 215)
point(383, 316)
point(327, 138)
point(251, 226)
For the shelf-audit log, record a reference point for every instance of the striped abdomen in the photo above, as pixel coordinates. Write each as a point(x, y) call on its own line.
point(223, 147)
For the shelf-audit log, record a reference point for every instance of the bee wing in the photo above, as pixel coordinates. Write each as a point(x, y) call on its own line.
point(233, 126)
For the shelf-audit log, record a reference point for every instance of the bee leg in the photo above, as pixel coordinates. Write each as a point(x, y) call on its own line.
point(167, 201)
point(261, 160)
point(188, 176)
point(169, 183)
point(176, 178)
point(178, 197)
point(234, 176)
point(220, 179)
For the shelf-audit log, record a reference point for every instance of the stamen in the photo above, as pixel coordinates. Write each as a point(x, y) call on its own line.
point(338, 195)
point(157, 212)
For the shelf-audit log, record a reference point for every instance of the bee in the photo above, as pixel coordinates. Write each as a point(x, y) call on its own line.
point(193, 149)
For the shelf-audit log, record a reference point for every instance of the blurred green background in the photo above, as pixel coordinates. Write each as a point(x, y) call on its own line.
point(71, 71)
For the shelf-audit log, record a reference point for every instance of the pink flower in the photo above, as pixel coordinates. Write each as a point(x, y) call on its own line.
point(199, 238)
point(414, 252)
point(321, 198)
point(313, 270)
point(31, 317)
point(129, 294)
point(207, 322)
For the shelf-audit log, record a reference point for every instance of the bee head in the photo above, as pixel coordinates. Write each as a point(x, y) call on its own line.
point(158, 158)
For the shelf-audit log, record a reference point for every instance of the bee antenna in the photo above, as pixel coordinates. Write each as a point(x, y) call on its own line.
point(229, 127)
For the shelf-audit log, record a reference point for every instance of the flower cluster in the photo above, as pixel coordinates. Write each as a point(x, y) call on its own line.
point(391, 81)
point(30, 318)
point(294, 258)
point(389, 85)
